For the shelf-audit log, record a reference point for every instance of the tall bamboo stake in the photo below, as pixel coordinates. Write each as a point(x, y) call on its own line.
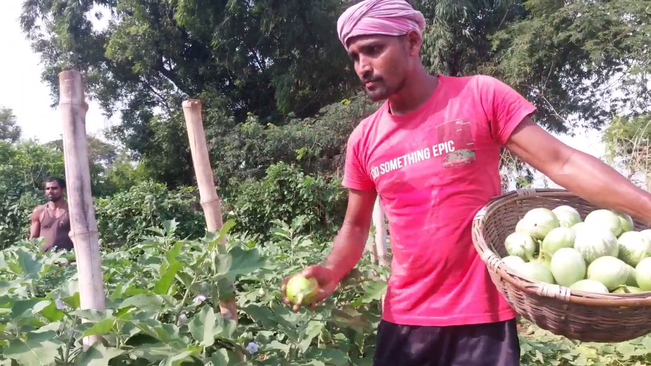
point(370, 246)
point(379, 224)
point(83, 226)
point(380, 233)
point(209, 199)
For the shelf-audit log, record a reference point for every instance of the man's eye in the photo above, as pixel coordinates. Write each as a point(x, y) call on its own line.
point(373, 50)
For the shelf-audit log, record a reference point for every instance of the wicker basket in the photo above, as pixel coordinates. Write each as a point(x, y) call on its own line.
point(577, 315)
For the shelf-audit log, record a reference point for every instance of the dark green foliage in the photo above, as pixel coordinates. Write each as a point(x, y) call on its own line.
point(123, 218)
point(279, 63)
point(284, 194)
point(316, 144)
point(9, 131)
point(22, 170)
point(581, 62)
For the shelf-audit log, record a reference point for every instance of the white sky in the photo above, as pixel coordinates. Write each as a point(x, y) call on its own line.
point(21, 87)
point(23, 91)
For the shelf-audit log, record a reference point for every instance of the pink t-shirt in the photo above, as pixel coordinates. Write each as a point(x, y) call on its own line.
point(433, 170)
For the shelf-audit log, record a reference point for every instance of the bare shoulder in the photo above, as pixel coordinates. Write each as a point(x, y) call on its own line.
point(36, 214)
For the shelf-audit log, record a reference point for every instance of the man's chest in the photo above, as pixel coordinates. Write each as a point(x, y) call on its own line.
point(438, 151)
point(52, 219)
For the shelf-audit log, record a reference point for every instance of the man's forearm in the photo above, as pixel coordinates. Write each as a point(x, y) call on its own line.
point(348, 249)
point(593, 180)
point(33, 233)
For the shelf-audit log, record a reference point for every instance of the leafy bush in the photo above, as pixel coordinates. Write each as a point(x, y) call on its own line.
point(317, 145)
point(15, 211)
point(124, 217)
point(23, 167)
point(162, 306)
point(284, 194)
point(541, 348)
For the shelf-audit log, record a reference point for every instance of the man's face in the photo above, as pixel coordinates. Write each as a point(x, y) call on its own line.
point(382, 63)
point(53, 192)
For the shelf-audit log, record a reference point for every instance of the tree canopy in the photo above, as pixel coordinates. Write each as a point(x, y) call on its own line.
point(272, 74)
point(9, 130)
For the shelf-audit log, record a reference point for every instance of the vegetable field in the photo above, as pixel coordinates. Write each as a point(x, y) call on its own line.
point(162, 308)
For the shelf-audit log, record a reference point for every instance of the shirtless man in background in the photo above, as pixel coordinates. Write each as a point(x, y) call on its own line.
point(51, 221)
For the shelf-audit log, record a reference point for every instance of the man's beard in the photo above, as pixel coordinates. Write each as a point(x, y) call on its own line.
point(55, 199)
point(384, 91)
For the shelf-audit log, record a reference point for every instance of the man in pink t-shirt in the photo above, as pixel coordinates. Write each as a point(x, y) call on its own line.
point(432, 152)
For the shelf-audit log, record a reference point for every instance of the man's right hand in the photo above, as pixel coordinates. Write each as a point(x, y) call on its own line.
point(348, 247)
point(324, 276)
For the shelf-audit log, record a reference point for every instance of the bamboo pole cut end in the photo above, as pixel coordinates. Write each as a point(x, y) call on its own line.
point(69, 74)
point(71, 88)
point(192, 103)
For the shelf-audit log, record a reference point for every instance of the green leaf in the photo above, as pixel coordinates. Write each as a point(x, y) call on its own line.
point(178, 358)
point(207, 325)
point(5, 287)
point(21, 307)
point(175, 252)
point(312, 330)
point(28, 263)
point(221, 235)
point(374, 291)
point(38, 348)
point(239, 262)
point(223, 357)
point(93, 315)
point(170, 226)
point(101, 328)
point(202, 326)
point(263, 315)
point(159, 351)
point(98, 355)
point(329, 356)
point(145, 302)
point(52, 313)
point(164, 332)
point(166, 280)
point(351, 318)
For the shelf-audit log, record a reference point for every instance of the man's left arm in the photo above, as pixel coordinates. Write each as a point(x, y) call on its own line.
point(578, 172)
point(509, 114)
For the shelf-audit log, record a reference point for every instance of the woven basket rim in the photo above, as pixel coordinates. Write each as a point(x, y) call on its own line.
point(534, 287)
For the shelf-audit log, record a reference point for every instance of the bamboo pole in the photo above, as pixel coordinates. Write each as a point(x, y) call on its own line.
point(83, 226)
point(380, 233)
point(370, 246)
point(379, 225)
point(209, 199)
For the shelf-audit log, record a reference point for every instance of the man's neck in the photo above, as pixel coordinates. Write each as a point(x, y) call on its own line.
point(416, 92)
point(61, 203)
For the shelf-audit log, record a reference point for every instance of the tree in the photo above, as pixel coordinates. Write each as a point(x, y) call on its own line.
point(582, 61)
point(9, 130)
point(280, 63)
point(99, 152)
point(628, 144)
point(263, 57)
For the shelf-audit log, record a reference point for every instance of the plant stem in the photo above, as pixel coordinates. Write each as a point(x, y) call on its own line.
point(66, 357)
point(183, 300)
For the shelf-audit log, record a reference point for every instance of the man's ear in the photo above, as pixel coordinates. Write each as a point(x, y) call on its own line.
point(414, 43)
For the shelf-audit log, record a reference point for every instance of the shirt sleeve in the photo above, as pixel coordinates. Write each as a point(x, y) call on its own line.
point(355, 174)
point(505, 107)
